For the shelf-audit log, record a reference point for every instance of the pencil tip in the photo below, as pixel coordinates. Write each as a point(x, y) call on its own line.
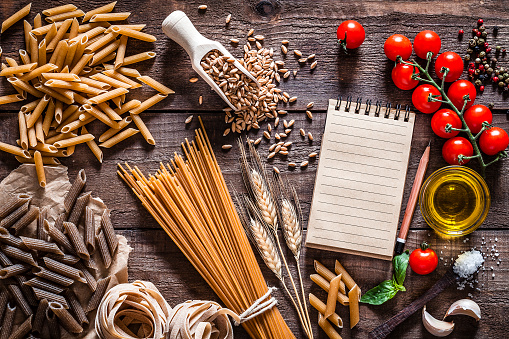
point(429, 143)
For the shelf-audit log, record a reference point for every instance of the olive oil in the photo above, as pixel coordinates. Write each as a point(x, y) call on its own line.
point(454, 200)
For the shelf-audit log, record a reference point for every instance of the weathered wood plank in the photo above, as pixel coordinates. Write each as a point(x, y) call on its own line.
point(157, 259)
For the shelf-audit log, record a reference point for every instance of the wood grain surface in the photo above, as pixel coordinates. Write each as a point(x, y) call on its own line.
point(310, 27)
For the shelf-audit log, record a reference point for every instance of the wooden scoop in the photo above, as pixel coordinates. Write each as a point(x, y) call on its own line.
point(179, 28)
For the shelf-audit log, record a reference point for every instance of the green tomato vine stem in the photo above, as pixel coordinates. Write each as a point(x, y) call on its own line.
point(423, 71)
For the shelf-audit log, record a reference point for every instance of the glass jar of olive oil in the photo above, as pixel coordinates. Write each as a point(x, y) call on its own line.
point(454, 201)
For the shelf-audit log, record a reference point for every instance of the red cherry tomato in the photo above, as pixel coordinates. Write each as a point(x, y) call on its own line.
point(452, 61)
point(441, 119)
point(398, 44)
point(423, 260)
point(458, 90)
point(493, 140)
point(354, 32)
point(420, 98)
point(427, 41)
point(475, 116)
point(402, 76)
point(454, 147)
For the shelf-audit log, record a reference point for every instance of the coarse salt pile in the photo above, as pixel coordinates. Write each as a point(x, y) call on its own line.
point(467, 264)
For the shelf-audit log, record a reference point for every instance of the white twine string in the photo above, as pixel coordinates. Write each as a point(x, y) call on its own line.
point(258, 307)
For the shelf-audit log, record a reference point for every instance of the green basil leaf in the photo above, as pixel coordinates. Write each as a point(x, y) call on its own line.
point(381, 293)
point(400, 263)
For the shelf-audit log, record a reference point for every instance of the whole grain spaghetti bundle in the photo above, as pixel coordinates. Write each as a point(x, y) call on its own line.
point(191, 202)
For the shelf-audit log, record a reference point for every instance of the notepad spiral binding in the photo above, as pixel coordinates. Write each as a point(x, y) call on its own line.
point(378, 107)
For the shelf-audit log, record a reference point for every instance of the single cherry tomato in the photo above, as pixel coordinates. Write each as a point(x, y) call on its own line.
point(454, 147)
point(441, 119)
point(458, 90)
point(398, 45)
point(452, 61)
point(493, 140)
point(423, 260)
point(420, 98)
point(351, 34)
point(475, 116)
point(427, 41)
point(402, 76)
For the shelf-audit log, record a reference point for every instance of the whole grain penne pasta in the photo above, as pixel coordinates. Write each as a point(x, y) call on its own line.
point(321, 307)
point(12, 240)
point(48, 117)
point(58, 111)
point(57, 236)
point(89, 231)
point(109, 16)
point(349, 282)
point(130, 72)
point(85, 59)
point(73, 141)
point(39, 133)
point(23, 329)
point(32, 137)
point(70, 111)
point(332, 296)
point(13, 203)
point(63, 16)
point(325, 285)
point(92, 33)
point(24, 57)
point(54, 94)
point(143, 129)
point(39, 167)
point(100, 116)
point(93, 40)
point(354, 297)
point(109, 111)
point(111, 81)
point(95, 299)
point(44, 273)
point(73, 32)
point(40, 316)
point(23, 133)
point(61, 76)
point(148, 103)
point(8, 321)
point(100, 42)
point(13, 270)
point(155, 85)
point(59, 36)
point(26, 30)
point(38, 111)
point(60, 56)
point(77, 240)
point(136, 27)
point(75, 306)
point(41, 294)
point(75, 86)
point(100, 10)
point(73, 45)
point(18, 254)
point(53, 324)
point(128, 106)
point(79, 208)
point(121, 51)
point(15, 17)
point(138, 58)
point(59, 10)
point(63, 269)
point(7, 99)
point(108, 95)
point(20, 299)
point(61, 136)
point(103, 249)
point(43, 148)
point(45, 285)
point(91, 25)
point(93, 146)
point(66, 319)
point(95, 83)
point(67, 93)
point(109, 231)
point(18, 69)
point(30, 106)
point(107, 58)
point(4, 260)
point(112, 131)
point(41, 245)
point(115, 75)
point(80, 49)
point(53, 29)
point(33, 45)
point(119, 137)
point(52, 161)
point(4, 299)
point(76, 124)
point(43, 213)
point(38, 21)
point(327, 327)
point(41, 50)
point(25, 87)
point(132, 33)
point(14, 150)
point(103, 53)
point(11, 218)
point(38, 71)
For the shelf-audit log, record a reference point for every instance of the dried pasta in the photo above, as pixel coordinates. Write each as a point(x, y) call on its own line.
point(89, 231)
point(77, 241)
point(354, 296)
point(155, 85)
point(119, 137)
point(321, 307)
point(325, 285)
point(66, 319)
point(63, 269)
point(20, 299)
point(143, 129)
point(13, 204)
point(95, 299)
point(79, 208)
point(40, 316)
point(44, 285)
point(327, 327)
point(76, 307)
point(76, 188)
point(8, 321)
point(15, 215)
point(100, 10)
point(15, 17)
point(332, 296)
point(103, 249)
point(39, 168)
point(18, 254)
point(31, 215)
point(57, 236)
point(13, 270)
point(23, 329)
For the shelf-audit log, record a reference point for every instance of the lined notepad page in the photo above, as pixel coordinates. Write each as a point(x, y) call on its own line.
point(360, 181)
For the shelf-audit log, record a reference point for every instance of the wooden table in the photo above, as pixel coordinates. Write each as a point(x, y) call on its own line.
point(310, 27)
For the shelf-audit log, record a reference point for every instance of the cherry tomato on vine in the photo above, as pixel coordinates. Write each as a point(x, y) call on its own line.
point(420, 98)
point(493, 140)
point(398, 44)
point(427, 41)
point(454, 147)
point(402, 76)
point(453, 62)
point(354, 33)
point(475, 116)
point(423, 260)
point(458, 90)
point(443, 117)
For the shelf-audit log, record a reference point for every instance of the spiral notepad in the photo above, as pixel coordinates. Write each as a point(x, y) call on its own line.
point(360, 178)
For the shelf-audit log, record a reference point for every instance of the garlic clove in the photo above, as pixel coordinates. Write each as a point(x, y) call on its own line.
point(465, 307)
point(436, 327)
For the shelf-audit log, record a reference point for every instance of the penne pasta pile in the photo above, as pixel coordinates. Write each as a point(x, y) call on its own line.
point(336, 286)
point(64, 67)
point(40, 270)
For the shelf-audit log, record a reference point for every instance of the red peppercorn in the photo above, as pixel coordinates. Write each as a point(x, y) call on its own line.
point(486, 45)
point(480, 22)
point(495, 79)
point(488, 49)
point(475, 30)
point(471, 71)
point(460, 32)
point(478, 33)
point(481, 88)
point(471, 65)
point(481, 67)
